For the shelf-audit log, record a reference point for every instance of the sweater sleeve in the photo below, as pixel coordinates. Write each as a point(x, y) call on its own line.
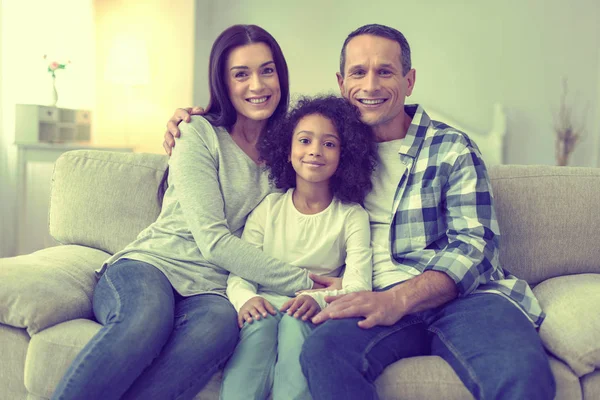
point(240, 290)
point(358, 274)
point(194, 175)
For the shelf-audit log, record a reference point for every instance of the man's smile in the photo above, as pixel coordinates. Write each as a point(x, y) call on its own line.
point(371, 102)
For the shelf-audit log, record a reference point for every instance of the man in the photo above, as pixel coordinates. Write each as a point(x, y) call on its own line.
point(438, 286)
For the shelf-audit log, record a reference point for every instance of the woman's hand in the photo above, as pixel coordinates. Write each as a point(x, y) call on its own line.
point(180, 114)
point(322, 282)
point(253, 309)
point(304, 307)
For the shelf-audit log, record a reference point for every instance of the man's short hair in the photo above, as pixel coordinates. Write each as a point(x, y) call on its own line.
point(384, 32)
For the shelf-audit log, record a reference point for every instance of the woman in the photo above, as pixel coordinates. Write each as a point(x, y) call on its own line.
point(167, 325)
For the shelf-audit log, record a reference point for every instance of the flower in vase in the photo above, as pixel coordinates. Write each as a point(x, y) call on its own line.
point(53, 66)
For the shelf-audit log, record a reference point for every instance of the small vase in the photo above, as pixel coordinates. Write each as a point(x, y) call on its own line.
point(54, 92)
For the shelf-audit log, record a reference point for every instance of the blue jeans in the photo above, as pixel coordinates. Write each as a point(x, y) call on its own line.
point(490, 344)
point(154, 343)
point(267, 359)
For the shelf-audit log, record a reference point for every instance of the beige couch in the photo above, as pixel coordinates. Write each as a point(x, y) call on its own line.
point(549, 217)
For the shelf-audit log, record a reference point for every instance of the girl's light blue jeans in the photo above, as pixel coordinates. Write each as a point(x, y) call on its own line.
point(154, 344)
point(266, 360)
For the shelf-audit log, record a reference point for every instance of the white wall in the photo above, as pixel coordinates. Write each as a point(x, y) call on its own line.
point(597, 126)
point(62, 29)
point(468, 55)
point(4, 192)
point(136, 116)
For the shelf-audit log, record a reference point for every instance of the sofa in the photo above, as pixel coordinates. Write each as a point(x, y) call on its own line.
point(550, 223)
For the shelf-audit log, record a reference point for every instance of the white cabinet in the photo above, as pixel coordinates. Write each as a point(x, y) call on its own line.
point(43, 124)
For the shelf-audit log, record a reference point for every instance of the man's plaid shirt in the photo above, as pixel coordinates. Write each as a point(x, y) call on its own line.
point(443, 214)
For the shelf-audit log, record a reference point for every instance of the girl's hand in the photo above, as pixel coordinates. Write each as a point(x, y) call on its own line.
point(253, 309)
point(301, 306)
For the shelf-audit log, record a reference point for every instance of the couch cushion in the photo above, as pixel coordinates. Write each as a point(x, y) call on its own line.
point(428, 377)
point(52, 350)
point(104, 199)
point(591, 386)
point(568, 386)
point(48, 287)
point(13, 349)
point(571, 329)
point(431, 377)
point(548, 220)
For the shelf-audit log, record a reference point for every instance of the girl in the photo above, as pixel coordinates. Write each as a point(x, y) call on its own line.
point(322, 155)
point(167, 325)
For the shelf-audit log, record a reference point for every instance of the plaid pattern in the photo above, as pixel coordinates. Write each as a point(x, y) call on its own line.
point(444, 218)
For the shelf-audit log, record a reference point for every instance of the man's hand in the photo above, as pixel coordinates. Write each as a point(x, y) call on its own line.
point(378, 308)
point(180, 114)
point(253, 309)
point(322, 282)
point(304, 307)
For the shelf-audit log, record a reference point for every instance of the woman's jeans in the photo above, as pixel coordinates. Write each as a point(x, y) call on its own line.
point(267, 359)
point(491, 345)
point(154, 344)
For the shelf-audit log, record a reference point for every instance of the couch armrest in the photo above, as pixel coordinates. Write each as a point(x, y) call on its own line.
point(571, 330)
point(48, 287)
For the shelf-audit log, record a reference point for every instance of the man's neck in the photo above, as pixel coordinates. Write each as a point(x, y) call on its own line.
point(393, 130)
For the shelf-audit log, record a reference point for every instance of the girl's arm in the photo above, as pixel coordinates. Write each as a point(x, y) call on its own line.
point(239, 291)
point(193, 172)
point(358, 274)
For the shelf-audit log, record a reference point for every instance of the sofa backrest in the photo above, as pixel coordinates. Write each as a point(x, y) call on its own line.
point(104, 199)
point(549, 219)
point(549, 216)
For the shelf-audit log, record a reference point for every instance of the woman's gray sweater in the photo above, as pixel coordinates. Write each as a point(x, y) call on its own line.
point(195, 242)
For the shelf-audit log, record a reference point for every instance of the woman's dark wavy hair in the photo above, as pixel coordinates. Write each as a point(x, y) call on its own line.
point(220, 110)
point(352, 180)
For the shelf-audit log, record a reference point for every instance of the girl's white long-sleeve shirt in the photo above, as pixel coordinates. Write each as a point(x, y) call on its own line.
point(323, 243)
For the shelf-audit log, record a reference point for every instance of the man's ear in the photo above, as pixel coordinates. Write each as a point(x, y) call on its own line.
point(340, 80)
point(410, 77)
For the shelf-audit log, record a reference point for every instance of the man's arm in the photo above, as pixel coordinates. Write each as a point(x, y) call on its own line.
point(180, 114)
point(428, 290)
point(468, 260)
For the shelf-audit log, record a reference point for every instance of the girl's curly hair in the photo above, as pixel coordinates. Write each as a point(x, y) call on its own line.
point(352, 180)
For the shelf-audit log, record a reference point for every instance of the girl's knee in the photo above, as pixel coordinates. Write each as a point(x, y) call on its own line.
point(292, 330)
point(265, 328)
